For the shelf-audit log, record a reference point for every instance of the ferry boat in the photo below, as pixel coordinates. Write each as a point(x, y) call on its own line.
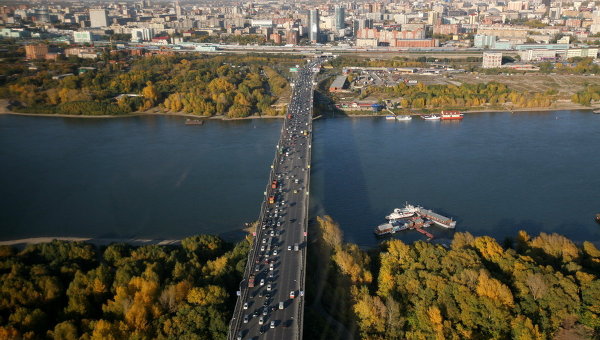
point(409, 210)
point(390, 117)
point(403, 118)
point(451, 115)
point(194, 121)
point(431, 117)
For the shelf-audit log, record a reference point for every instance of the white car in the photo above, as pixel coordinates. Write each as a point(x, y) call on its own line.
point(275, 252)
point(262, 283)
point(269, 287)
point(271, 266)
point(272, 324)
point(289, 247)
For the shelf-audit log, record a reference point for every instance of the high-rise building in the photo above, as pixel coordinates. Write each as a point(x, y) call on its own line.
point(38, 51)
point(360, 24)
point(291, 37)
point(98, 18)
point(313, 25)
point(492, 60)
point(142, 34)
point(484, 41)
point(177, 9)
point(433, 18)
point(340, 18)
point(41, 15)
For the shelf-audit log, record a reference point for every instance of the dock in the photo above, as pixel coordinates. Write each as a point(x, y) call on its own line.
point(417, 218)
point(442, 221)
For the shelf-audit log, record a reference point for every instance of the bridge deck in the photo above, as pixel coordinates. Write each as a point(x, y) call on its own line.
point(277, 260)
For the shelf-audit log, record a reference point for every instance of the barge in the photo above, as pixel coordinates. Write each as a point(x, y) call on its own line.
point(194, 121)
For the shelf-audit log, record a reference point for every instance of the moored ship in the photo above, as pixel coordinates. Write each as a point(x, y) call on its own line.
point(409, 210)
point(194, 122)
point(413, 217)
point(451, 115)
point(431, 117)
point(403, 118)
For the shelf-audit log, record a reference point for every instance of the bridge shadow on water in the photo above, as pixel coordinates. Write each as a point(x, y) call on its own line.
point(342, 190)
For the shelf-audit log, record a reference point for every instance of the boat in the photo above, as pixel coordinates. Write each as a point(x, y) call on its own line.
point(194, 121)
point(451, 115)
point(596, 111)
point(403, 118)
point(430, 117)
point(409, 210)
point(390, 117)
point(389, 228)
point(598, 218)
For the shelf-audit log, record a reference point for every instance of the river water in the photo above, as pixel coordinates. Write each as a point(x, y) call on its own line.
point(154, 177)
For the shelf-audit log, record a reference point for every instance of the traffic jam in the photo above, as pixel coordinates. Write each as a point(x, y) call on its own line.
point(281, 225)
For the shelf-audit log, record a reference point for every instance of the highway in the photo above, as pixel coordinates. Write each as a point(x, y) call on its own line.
point(270, 304)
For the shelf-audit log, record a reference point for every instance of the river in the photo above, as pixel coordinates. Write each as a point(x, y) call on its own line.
point(154, 177)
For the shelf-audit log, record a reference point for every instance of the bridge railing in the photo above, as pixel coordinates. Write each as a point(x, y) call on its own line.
point(305, 222)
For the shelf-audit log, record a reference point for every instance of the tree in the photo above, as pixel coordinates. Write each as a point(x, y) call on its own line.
point(64, 331)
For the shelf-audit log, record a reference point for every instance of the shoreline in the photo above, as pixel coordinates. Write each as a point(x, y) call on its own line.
point(135, 114)
point(95, 241)
point(4, 110)
point(530, 109)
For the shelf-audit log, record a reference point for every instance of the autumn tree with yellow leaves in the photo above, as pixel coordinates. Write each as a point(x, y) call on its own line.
point(71, 290)
point(474, 289)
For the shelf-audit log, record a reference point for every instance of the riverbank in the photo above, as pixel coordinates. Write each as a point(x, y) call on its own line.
point(4, 109)
point(561, 106)
point(528, 109)
point(95, 241)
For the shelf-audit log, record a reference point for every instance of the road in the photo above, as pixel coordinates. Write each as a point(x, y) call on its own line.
point(271, 297)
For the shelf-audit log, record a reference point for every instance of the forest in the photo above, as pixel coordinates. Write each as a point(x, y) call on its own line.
point(529, 287)
point(465, 96)
point(74, 290)
point(233, 86)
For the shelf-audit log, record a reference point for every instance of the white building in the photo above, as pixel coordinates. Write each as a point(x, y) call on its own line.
point(98, 18)
point(262, 23)
point(492, 60)
point(538, 55)
point(83, 37)
point(142, 34)
point(582, 53)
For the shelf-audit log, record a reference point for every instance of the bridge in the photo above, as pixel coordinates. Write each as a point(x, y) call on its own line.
point(270, 302)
